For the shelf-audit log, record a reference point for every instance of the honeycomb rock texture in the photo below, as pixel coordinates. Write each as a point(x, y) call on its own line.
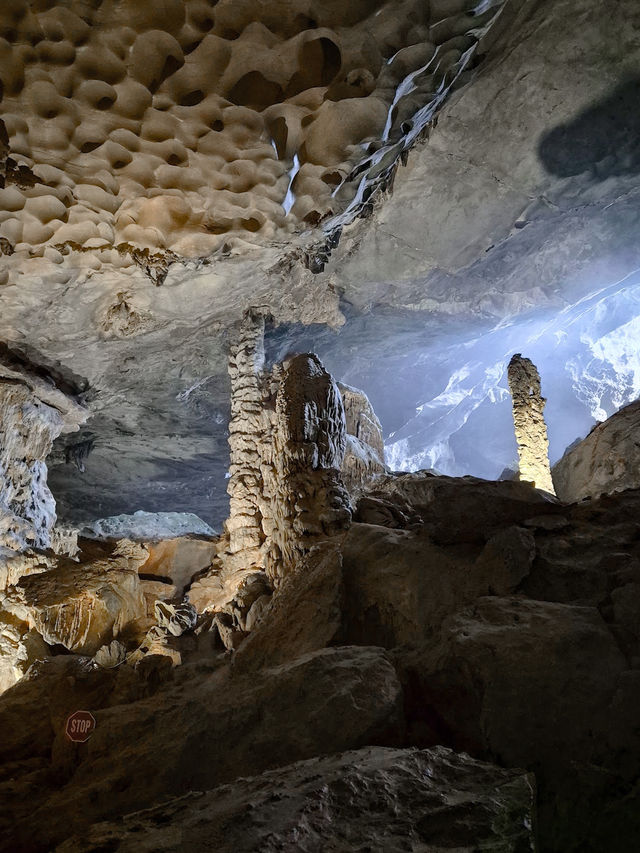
point(138, 128)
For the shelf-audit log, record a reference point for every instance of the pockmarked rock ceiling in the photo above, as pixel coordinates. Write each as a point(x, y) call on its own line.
point(383, 179)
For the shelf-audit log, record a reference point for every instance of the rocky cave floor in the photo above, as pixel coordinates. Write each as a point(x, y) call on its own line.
point(459, 670)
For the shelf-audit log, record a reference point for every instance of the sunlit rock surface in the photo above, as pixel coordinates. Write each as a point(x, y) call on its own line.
point(605, 461)
point(179, 560)
point(528, 421)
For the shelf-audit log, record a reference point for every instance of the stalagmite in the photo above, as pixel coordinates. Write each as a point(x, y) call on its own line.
point(287, 439)
point(364, 454)
point(529, 423)
point(247, 430)
point(308, 498)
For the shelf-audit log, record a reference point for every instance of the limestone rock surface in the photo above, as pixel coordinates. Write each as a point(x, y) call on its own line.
point(528, 420)
point(513, 637)
point(343, 698)
point(287, 440)
point(364, 451)
point(33, 413)
point(206, 124)
point(382, 799)
point(178, 560)
point(603, 462)
point(147, 526)
point(81, 606)
point(20, 646)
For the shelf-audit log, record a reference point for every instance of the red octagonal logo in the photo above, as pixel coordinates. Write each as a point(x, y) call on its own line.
point(80, 726)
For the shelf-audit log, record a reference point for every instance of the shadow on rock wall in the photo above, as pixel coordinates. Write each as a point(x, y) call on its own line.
point(605, 138)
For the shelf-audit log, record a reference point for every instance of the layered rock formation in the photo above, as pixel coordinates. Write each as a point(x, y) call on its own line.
point(33, 412)
point(81, 606)
point(605, 461)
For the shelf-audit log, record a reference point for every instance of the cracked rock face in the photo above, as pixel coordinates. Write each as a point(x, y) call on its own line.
point(33, 412)
point(605, 461)
point(433, 797)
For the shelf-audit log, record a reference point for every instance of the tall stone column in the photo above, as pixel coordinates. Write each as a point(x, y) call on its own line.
point(529, 423)
point(308, 499)
point(287, 439)
point(246, 437)
point(33, 412)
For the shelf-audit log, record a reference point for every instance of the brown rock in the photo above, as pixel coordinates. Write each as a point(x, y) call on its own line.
point(532, 684)
point(437, 798)
point(400, 585)
point(82, 606)
point(343, 698)
point(178, 560)
point(464, 509)
point(303, 616)
point(605, 461)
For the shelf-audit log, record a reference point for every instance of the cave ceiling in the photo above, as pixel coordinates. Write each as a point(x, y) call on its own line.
point(414, 190)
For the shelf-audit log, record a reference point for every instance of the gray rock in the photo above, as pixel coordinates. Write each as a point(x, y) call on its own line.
point(198, 733)
point(373, 799)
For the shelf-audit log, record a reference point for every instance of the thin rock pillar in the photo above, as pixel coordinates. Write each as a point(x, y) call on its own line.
point(529, 423)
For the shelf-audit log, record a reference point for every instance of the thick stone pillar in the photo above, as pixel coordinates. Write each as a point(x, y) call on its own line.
point(287, 439)
point(529, 423)
point(33, 412)
point(308, 499)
